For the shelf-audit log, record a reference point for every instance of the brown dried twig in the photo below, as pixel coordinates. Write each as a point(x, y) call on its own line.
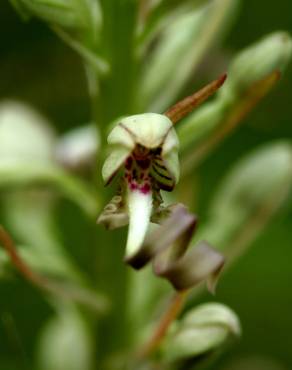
point(235, 115)
point(65, 291)
point(188, 104)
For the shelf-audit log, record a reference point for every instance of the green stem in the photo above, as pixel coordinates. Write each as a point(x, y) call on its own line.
point(112, 99)
point(120, 18)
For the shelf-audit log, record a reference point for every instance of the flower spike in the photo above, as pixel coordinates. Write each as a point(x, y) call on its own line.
point(144, 149)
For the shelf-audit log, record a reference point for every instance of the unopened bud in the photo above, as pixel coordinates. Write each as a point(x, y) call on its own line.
point(78, 148)
point(18, 121)
point(202, 330)
point(259, 60)
point(253, 190)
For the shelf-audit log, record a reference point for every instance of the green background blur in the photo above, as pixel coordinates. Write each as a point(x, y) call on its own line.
point(35, 67)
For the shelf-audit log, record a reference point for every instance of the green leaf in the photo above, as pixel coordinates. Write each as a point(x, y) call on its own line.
point(92, 58)
point(18, 174)
point(252, 74)
point(200, 332)
point(156, 15)
point(70, 14)
point(180, 49)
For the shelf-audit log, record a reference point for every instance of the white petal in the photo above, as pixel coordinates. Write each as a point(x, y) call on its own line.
point(114, 162)
point(140, 208)
point(150, 129)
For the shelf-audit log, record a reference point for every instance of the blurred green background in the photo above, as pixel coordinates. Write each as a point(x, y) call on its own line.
point(37, 68)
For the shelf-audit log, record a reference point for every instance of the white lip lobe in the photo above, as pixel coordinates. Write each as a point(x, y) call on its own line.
point(140, 208)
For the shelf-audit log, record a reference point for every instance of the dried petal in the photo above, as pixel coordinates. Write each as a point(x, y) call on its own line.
point(167, 245)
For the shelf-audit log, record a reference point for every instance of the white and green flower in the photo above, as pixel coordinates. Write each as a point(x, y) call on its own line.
point(144, 149)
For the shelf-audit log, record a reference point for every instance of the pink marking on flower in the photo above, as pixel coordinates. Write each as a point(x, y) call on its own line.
point(145, 189)
point(133, 185)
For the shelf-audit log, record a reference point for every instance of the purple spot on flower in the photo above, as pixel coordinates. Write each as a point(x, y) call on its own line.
point(133, 185)
point(145, 189)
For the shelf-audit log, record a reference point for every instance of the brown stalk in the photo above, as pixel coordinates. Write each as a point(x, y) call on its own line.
point(252, 97)
point(167, 248)
point(188, 104)
point(144, 10)
point(53, 287)
point(17, 261)
point(173, 310)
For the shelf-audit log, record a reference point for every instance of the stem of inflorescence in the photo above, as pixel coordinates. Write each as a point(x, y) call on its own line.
point(173, 310)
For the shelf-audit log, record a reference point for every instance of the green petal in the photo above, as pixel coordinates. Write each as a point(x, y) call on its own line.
point(149, 129)
point(172, 165)
point(114, 162)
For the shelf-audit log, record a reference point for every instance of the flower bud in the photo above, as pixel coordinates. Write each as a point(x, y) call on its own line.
point(18, 121)
point(200, 332)
point(69, 14)
point(253, 64)
point(252, 192)
point(183, 44)
point(251, 76)
point(78, 148)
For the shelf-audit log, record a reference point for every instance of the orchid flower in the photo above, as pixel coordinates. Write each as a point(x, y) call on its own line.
point(144, 148)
